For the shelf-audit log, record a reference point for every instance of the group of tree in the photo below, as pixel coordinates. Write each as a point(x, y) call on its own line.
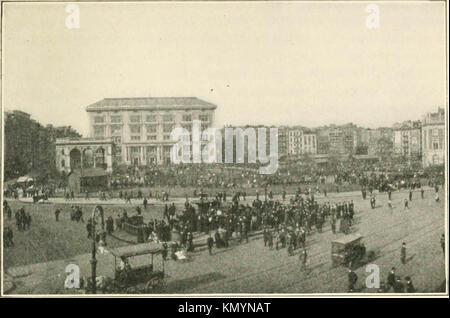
point(30, 146)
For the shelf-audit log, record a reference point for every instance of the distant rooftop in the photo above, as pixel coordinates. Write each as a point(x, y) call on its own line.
point(150, 103)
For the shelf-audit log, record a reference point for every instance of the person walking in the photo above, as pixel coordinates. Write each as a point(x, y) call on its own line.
point(303, 259)
point(57, 212)
point(352, 279)
point(403, 253)
point(210, 243)
point(409, 287)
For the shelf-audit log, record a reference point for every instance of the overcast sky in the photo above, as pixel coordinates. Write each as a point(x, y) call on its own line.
point(271, 63)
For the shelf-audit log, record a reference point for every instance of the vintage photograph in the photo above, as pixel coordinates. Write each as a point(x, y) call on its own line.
point(224, 148)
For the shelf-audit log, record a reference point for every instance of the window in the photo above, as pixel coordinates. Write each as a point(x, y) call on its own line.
point(167, 118)
point(116, 119)
point(166, 137)
point(117, 140)
point(167, 128)
point(187, 117)
point(99, 130)
point(151, 137)
point(135, 129)
point(135, 119)
point(150, 118)
point(435, 145)
point(62, 151)
point(135, 138)
point(99, 119)
point(63, 163)
point(152, 128)
point(187, 127)
point(151, 149)
point(116, 129)
point(203, 117)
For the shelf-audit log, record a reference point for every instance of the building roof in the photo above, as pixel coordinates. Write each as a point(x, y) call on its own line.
point(150, 103)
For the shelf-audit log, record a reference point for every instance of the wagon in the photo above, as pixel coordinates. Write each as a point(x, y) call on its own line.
point(140, 277)
point(348, 250)
point(134, 271)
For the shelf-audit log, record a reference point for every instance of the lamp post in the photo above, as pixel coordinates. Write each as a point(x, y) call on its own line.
point(97, 209)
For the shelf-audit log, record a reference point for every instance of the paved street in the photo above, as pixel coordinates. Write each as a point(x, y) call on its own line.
point(251, 268)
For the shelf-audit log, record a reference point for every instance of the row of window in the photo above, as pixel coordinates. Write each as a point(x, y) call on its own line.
point(148, 118)
point(100, 130)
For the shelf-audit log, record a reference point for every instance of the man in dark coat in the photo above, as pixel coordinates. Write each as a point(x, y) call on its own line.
point(57, 212)
point(409, 288)
point(352, 279)
point(403, 253)
point(145, 203)
point(391, 279)
point(210, 243)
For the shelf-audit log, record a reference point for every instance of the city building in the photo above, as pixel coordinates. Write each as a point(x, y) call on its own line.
point(433, 138)
point(84, 154)
point(301, 141)
point(140, 128)
point(283, 141)
point(407, 139)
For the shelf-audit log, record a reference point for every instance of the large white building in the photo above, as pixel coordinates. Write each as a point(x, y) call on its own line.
point(433, 138)
point(300, 142)
point(140, 127)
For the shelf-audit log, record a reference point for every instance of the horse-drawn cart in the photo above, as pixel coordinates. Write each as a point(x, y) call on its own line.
point(134, 271)
point(349, 251)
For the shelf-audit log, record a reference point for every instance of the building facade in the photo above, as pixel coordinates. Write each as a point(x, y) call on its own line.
point(433, 138)
point(301, 142)
point(82, 154)
point(140, 128)
point(407, 139)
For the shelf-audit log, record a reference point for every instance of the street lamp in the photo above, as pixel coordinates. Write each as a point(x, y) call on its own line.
point(97, 209)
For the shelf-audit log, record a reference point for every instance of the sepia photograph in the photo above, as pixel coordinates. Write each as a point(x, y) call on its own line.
point(224, 148)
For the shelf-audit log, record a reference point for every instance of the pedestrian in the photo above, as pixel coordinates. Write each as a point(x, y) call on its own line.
point(352, 279)
point(403, 253)
point(145, 203)
point(409, 288)
point(265, 236)
point(303, 259)
point(270, 240)
point(410, 195)
point(210, 243)
point(422, 192)
point(406, 204)
point(57, 212)
point(399, 287)
point(391, 279)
